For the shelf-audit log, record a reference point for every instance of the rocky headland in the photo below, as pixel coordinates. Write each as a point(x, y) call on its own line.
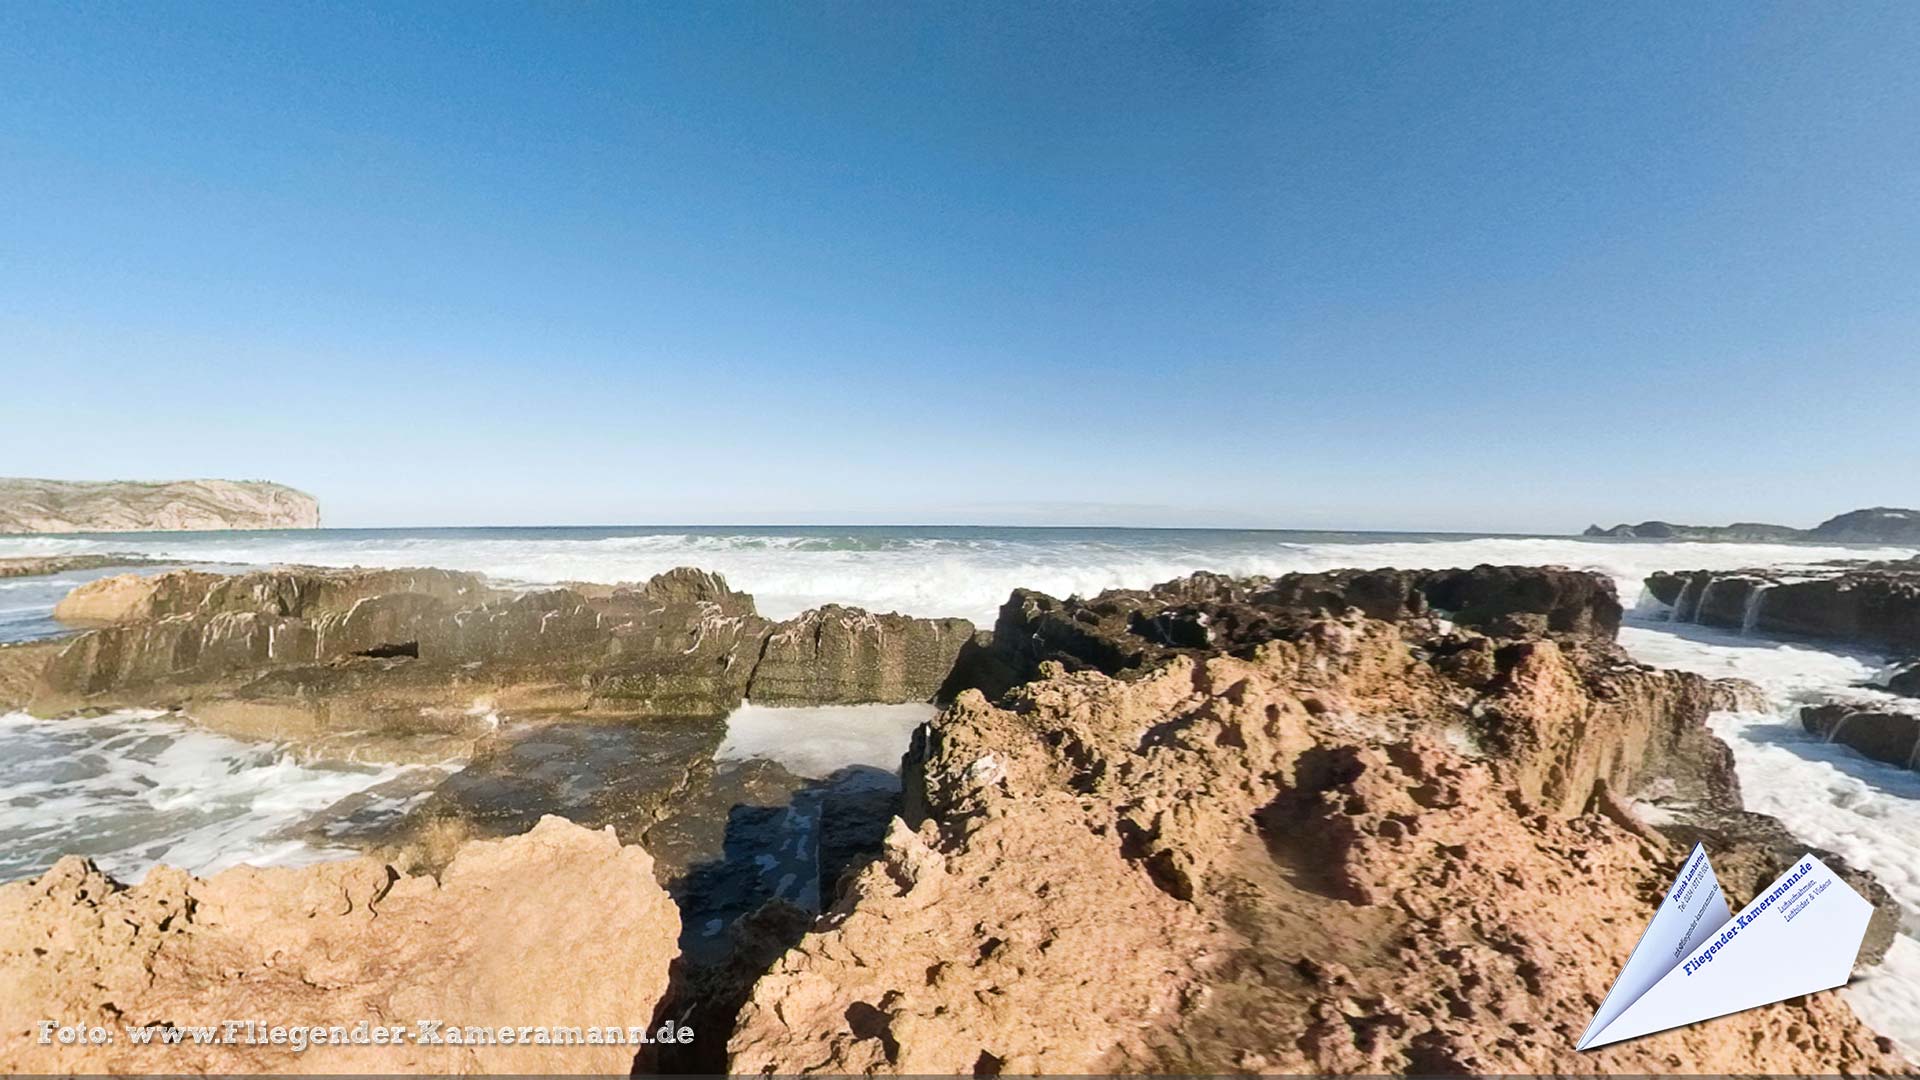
point(1363, 821)
point(1879, 524)
point(66, 506)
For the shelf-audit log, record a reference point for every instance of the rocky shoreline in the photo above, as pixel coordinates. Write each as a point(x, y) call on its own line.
point(1874, 604)
point(1361, 821)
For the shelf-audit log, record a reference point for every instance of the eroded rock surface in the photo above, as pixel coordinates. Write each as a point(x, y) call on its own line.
point(1884, 734)
point(1876, 605)
point(402, 663)
point(838, 655)
point(1311, 840)
point(1123, 631)
point(561, 926)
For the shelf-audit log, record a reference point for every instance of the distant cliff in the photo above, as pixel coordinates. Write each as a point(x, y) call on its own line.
point(41, 506)
point(1880, 524)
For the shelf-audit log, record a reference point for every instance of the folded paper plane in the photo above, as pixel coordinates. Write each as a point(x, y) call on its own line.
point(1698, 960)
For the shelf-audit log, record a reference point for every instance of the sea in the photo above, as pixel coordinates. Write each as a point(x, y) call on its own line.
point(135, 789)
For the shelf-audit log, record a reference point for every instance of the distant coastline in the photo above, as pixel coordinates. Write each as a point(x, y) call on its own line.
point(30, 506)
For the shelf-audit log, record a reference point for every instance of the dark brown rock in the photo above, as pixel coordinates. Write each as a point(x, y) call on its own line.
point(1884, 735)
point(311, 654)
point(1128, 630)
point(1877, 605)
point(837, 655)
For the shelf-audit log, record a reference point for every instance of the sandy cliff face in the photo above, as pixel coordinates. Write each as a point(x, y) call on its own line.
point(38, 506)
point(559, 927)
point(1360, 845)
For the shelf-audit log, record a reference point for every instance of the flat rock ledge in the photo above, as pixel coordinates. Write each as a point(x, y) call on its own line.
point(1875, 604)
point(413, 662)
point(1885, 734)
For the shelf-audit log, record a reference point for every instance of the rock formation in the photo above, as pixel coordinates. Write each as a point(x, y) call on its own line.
point(1877, 525)
point(1292, 826)
point(561, 927)
point(61, 506)
point(1884, 734)
point(837, 655)
point(1905, 679)
point(409, 663)
point(1864, 604)
point(1362, 821)
point(1129, 630)
point(37, 565)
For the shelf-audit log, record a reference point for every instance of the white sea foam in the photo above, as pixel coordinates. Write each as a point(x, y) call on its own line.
point(133, 789)
point(929, 572)
point(817, 741)
point(1789, 672)
point(1827, 794)
point(135, 813)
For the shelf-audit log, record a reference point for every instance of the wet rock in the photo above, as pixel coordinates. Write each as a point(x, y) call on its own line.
point(1905, 679)
point(310, 654)
point(836, 655)
point(1877, 605)
point(1881, 734)
point(560, 926)
point(624, 776)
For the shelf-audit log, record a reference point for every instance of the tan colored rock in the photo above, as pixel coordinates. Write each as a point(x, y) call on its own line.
point(1337, 852)
point(127, 598)
point(20, 667)
point(559, 928)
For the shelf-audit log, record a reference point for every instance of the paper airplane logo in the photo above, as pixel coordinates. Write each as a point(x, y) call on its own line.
point(1697, 960)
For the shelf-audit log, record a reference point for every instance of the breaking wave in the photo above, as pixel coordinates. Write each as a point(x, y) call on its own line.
point(923, 571)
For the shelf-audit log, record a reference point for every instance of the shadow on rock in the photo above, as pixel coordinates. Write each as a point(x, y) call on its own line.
point(772, 859)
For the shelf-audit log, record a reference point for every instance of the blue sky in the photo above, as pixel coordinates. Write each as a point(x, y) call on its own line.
point(1510, 266)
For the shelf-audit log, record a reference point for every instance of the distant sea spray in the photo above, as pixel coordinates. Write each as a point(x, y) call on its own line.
point(930, 571)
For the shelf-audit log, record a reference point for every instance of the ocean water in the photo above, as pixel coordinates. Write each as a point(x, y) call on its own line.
point(818, 741)
point(928, 571)
point(133, 789)
point(129, 804)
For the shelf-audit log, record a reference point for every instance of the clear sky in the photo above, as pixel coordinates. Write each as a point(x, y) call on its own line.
point(1512, 266)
